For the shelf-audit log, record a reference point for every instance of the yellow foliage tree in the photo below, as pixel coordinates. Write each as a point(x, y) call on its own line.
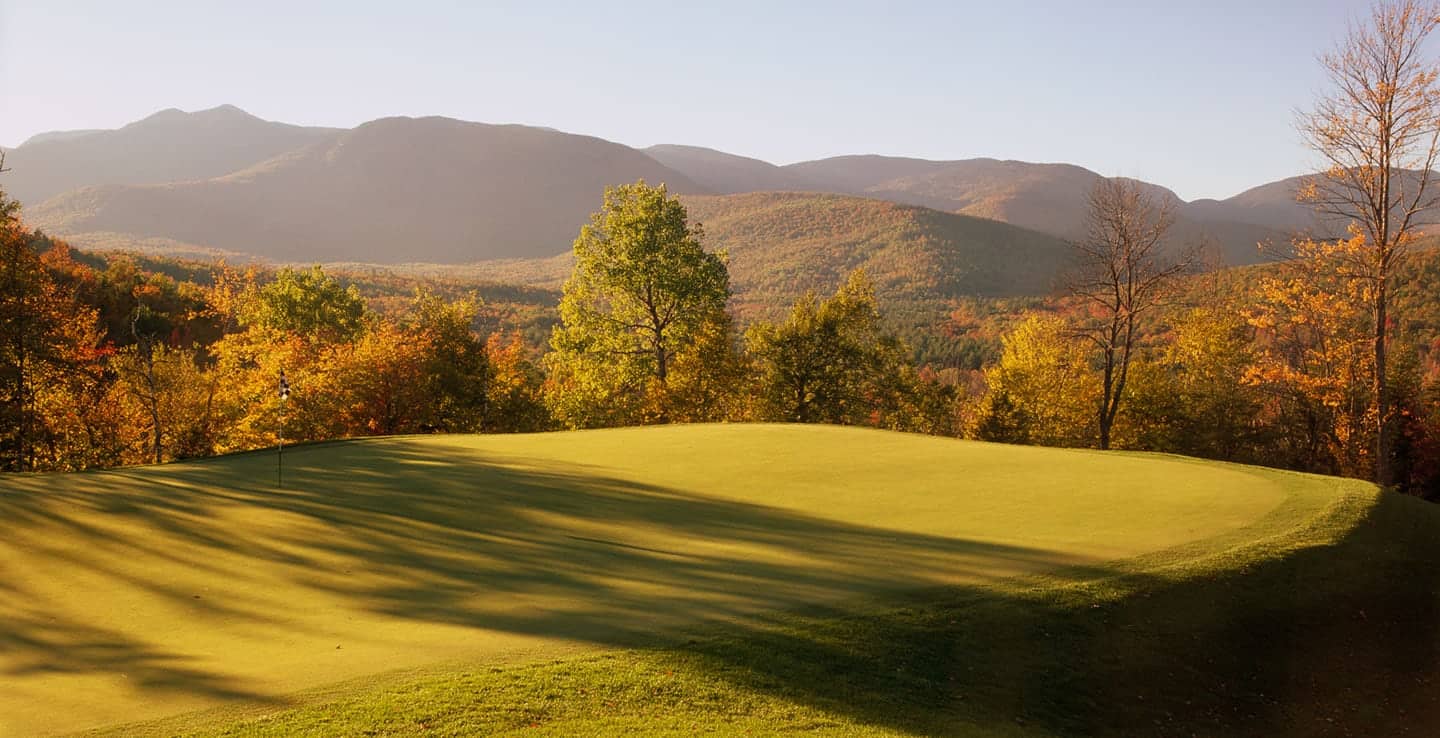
point(1316, 361)
point(1042, 391)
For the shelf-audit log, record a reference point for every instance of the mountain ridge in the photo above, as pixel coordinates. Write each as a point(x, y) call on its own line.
point(266, 176)
point(391, 189)
point(167, 146)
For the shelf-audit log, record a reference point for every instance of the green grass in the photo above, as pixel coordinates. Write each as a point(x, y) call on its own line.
point(707, 579)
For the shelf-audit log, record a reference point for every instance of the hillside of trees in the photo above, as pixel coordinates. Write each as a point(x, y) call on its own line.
point(123, 360)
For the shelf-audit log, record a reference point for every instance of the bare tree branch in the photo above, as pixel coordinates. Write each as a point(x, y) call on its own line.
point(1124, 271)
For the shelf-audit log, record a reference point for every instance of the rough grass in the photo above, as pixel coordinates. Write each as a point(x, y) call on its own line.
point(702, 579)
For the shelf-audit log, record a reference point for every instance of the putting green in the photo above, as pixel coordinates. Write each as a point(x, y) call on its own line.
point(147, 592)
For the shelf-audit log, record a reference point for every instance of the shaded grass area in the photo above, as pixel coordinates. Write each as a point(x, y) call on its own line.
point(1304, 623)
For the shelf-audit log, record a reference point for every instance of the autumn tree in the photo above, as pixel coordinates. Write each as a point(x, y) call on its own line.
point(1124, 269)
point(1042, 390)
point(46, 337)
point(641, 290)
point(1314, 360)
point(380, 382)
point(176, 397)
point(514, 397)
point(711, 382)
point(1417, 447)
point(1378, 131)
point(1197, 395)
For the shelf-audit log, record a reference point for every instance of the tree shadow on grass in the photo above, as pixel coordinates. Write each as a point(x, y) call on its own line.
point(423, 533)
point(1328, 640)
point(1339, 639)
point(39, 643)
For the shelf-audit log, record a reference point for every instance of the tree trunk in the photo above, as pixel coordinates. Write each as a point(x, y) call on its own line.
point(1106, 418)
point(22, 431)
point(155, 418)
point(1383, 473)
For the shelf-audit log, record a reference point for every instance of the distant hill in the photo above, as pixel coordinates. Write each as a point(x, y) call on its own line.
point(169, 146)
point(782, 244)
point(1050, 198)
point(726, 174)
point(1273, 204)
point(52, 136)
point(392, 190)
point(863, 173)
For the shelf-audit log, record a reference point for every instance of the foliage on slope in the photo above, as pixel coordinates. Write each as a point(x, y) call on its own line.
point(782, 245)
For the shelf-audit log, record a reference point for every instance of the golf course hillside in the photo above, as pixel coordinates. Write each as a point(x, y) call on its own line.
point(711, 578)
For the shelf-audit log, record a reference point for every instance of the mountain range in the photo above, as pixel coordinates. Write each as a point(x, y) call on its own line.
point(440, 190)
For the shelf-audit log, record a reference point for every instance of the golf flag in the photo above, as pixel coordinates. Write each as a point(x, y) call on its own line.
point(284, 386)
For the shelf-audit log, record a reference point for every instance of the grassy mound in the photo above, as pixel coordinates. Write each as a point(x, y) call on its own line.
point(717, 578)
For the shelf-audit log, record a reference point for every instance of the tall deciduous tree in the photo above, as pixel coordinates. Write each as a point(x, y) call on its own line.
point(641, 290)
point(514, 401)
point(711, 382)
point(1378, 130)
point(1123, 272)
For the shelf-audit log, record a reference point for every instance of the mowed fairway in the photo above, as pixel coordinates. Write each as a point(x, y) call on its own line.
point(141, 593)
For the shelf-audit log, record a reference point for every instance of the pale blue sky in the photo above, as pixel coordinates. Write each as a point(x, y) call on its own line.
point(1198, 98)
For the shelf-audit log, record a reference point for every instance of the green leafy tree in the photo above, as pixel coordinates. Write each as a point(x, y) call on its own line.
point(642, 289)
point(309, 303)
point(829, 362)
point(1002, 421)
point(456, 371)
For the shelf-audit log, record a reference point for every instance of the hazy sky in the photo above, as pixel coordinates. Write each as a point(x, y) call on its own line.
point(1199, 98)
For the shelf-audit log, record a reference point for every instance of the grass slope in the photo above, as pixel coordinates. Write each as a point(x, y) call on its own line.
point(142, 593)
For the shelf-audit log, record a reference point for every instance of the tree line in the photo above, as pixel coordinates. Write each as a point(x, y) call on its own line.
point(115, 366)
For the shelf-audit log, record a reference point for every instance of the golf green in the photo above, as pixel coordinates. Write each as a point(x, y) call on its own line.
point(148, 592)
